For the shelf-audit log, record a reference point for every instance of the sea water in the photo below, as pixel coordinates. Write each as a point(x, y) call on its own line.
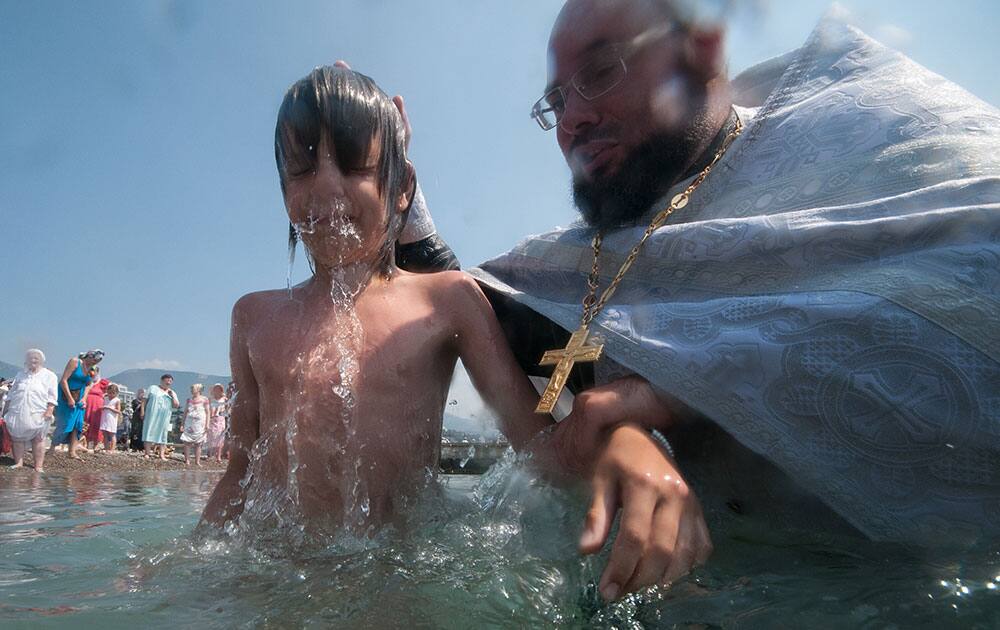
point(114, 550)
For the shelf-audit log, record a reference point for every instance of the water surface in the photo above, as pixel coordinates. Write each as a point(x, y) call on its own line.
point(113, 550)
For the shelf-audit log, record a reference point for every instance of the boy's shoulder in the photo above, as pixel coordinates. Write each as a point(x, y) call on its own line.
point(257, 300)
point(455, 293)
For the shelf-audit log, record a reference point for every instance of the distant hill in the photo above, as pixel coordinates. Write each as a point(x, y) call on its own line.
point(136, 379)
point(8, 370)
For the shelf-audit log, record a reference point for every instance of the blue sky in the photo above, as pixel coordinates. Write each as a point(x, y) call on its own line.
point(138, 195)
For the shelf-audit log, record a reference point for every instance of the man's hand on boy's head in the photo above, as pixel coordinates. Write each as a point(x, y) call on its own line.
point(396, 100)
point(662, 532)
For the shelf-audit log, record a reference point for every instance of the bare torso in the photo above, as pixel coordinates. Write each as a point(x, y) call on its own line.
point(337, 419)
point(352, 399)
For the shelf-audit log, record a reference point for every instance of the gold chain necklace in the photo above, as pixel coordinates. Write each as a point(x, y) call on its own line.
point(577, 349)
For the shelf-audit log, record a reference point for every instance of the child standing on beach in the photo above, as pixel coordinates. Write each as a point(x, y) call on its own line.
point(196, 416)
point(111, 413)
point(217, 423)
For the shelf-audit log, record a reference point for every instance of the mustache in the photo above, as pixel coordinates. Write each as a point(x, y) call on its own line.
point(599, 133)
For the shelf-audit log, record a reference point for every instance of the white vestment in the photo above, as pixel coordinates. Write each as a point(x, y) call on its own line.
point(831, 294)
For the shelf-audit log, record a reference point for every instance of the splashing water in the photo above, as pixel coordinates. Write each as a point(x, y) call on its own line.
point(347, 341)
point(498, 552)
point(274, 511)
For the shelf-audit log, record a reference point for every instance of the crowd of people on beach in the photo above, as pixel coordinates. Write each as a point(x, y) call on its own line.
point(80, 411)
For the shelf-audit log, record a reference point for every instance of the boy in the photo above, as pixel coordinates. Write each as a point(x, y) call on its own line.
point(343, 379)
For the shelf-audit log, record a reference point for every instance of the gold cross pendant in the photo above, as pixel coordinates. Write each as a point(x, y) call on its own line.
point(576, 350)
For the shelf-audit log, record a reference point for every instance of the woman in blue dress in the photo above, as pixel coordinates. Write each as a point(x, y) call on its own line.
point(71, 408)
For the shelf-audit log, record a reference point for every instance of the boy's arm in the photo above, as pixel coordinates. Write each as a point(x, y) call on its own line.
point(663, 531)
point(244, 427)
point(498, 378)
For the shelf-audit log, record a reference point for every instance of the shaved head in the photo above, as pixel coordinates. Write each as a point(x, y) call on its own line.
point(574, 9)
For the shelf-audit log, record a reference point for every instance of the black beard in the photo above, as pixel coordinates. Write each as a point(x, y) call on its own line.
point(644, 176)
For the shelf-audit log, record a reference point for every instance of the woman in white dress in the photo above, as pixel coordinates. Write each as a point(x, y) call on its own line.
point(195, 424)
point(28, 409)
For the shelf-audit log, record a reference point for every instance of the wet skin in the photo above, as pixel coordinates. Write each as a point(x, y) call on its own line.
point(415, 327)
point(379, 427)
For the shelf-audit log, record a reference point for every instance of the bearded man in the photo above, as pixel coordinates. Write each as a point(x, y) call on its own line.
point(812, 316)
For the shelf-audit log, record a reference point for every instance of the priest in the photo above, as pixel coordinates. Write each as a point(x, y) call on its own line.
point(792, 273)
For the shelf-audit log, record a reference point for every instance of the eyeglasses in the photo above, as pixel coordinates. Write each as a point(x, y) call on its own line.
point(595, 79)
point(592, 81)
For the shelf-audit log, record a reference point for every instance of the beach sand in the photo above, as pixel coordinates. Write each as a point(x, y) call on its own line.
point(119, 461)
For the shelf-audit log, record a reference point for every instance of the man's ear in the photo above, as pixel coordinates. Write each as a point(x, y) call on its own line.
point(409, 188)
point(704, 54)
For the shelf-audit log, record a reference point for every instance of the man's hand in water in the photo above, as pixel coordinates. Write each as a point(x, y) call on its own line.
point(662, 532)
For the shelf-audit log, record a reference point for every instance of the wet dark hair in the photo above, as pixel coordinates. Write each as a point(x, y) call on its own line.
point(165, 376)
point(350, 111)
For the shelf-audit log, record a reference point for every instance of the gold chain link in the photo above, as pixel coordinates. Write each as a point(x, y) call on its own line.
point(591, 304)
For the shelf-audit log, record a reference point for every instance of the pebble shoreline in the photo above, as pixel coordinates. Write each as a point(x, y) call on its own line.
point(119, 461)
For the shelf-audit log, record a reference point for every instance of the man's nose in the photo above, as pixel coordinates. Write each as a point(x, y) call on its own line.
point(579, 114)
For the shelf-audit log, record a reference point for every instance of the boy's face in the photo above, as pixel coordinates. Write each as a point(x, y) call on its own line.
point(340, 216)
